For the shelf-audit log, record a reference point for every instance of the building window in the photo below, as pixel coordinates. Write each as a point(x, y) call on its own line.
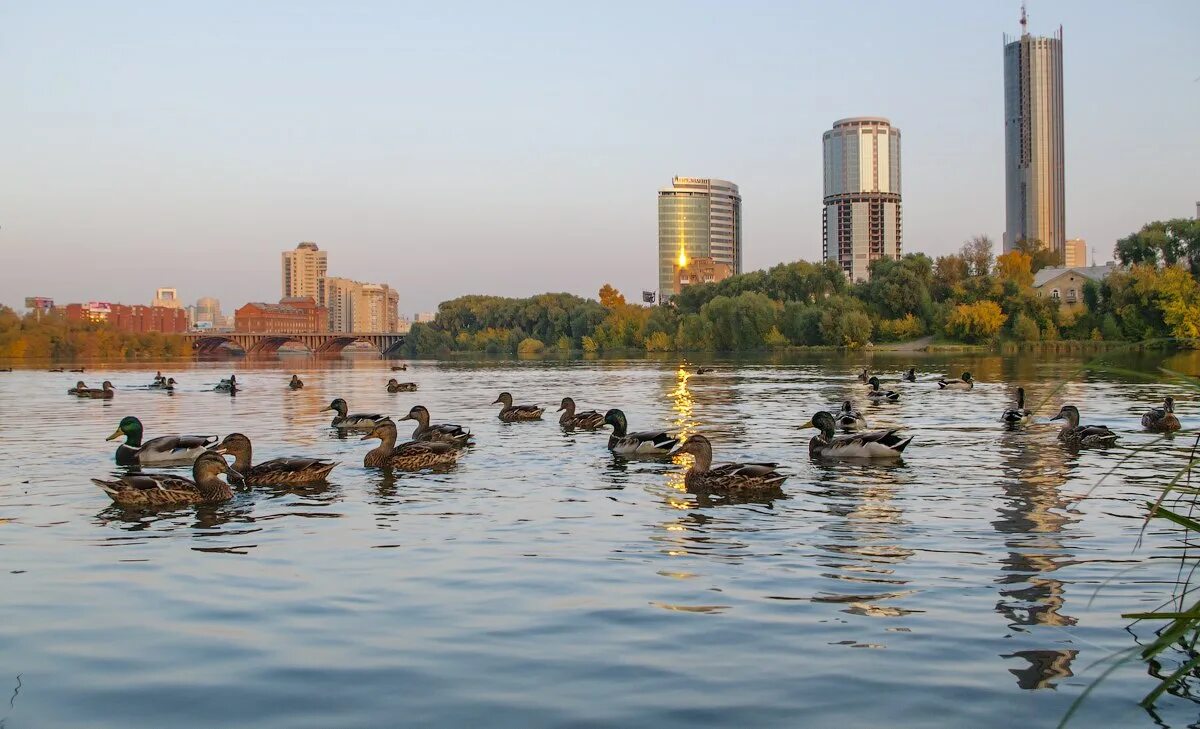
point(1054, 294)
point(1070, 296)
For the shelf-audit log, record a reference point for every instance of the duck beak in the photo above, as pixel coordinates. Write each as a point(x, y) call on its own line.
point(219, 449)
point(1058, 417)
point(406, 417)
point(495, 402)
point(560, 408)
point(326, 409)
point(677, 449)
point(807, 425)
point(235, 474)
point(368, 436)
point(116, 434)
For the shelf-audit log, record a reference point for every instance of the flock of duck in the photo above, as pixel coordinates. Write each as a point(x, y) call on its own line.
point(442, 444)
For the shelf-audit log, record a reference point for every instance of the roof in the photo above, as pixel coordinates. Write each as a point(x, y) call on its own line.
point(1095, 273)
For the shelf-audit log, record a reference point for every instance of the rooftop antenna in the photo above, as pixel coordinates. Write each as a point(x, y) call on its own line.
point(1024, 20)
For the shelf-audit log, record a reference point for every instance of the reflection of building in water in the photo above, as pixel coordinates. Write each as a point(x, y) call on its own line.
point(1032, 518)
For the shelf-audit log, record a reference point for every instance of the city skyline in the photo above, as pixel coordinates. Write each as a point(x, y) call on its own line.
point(158, 143)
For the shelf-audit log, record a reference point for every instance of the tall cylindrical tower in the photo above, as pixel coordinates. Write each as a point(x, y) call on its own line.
point(862, 217)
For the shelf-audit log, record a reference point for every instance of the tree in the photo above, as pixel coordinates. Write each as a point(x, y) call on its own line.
point(977, 252)
point(975, 322)
point(610, 297)
point(1015, 266)
point(949, 273)
point(1040, 255)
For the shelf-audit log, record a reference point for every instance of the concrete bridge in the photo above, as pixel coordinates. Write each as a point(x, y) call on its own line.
point(387, 343)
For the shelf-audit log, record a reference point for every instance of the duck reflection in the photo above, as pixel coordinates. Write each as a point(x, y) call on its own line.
point(864, 549)
point(1033, 516)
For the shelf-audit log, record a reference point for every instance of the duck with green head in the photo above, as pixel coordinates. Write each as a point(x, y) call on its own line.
point(165, 450)
point(1162, 420)
point(1074, 434)
point(736, 479)
point(393, 386)
point(644, 443)
point(409, 456)
point(873, 444)
point(275, 472)
point(578, 420)
point(229, 385)
point(966, 382)
point(875, 394)
point(455, 435)
point(510, 413)
point(356, 421)
point(144, 489)
point(1018, 415)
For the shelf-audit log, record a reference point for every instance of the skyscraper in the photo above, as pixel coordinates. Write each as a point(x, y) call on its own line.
point(698, 218)
point(303, 272)
point(1075, 253)
point(1033, 140)
point(862, 217)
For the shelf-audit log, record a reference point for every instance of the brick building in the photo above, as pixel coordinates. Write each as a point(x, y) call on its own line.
point(135, 319)
point(292, 315)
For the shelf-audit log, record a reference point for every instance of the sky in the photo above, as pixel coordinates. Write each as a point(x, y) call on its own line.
point(514, 148)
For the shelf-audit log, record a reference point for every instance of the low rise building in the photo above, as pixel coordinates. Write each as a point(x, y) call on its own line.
point(1065, 285)
point(700, 270)
point(136, 319)
point(292, 315)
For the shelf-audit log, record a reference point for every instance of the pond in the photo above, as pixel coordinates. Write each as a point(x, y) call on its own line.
point(541, 582)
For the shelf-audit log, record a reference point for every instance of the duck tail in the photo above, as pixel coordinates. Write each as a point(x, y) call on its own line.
point(941, 384)
point(904, 444)
point(109, 487)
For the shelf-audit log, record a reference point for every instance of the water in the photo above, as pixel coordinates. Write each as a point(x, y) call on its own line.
point(540, 583)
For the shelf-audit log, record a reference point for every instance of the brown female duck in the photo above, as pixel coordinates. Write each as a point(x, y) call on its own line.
point(510, 413)
point(393, 386)
point(275, 472)
point(410, 455)
point(730, 478)
point(161, 489)
point(455, 435)
point(585, 420)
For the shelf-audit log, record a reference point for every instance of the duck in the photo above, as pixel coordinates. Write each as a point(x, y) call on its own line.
point(400, 368)
point(165, 450)
point(5, 369)
point(160, 382)
point(510, 413)
point(586, 420)
point(873, 444)
point(56, 369)
point(229, 385)
point(910, 376)
point(410, 455)
point(1082, 435)
point(275, 472)
point(296, 383)
point(645, 443)
point(455, 435)
point(1162, 420)
point(704, 370)
point(79, 388)
point(1018, 415)
point(168, 385)
point(849, 419)
point(394, 387)
point(144, 489)
point(966, 382)
point(104, 392)
point(357, 421)
point(864, 376)
point(158, 378)
point(730, 478)
point(878, 395)
point(80, 370)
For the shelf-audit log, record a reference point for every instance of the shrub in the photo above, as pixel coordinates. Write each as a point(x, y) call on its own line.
point(906, 327)
point(529, 345)
point(975, 322)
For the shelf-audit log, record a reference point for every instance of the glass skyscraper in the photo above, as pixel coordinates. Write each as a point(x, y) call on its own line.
point(1033, 141)
point(697, 218)
point(862, 216)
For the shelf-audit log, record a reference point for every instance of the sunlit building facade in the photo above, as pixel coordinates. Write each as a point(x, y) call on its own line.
point(1034, 169)
point(304, 270)
point(697, 218)
point(1075, 253)
point(354, 306)
point(862, 220)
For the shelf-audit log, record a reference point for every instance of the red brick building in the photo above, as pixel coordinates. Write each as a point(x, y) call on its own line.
point(136, 319)
point(296, 315)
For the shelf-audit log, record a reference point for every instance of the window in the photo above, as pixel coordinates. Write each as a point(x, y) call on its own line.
point(1071, 296)
point(1054, 294)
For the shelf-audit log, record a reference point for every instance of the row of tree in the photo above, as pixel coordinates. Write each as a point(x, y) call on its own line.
point(51, 336)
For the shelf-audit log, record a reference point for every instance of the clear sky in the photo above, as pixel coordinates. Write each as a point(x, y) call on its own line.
point(513, 148)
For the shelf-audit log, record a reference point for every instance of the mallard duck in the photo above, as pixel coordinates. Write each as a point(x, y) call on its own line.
point(455, 435)
point(1162, 420)
point(56, 369)
point(510, 413)
point(646, 443)
point(586, 420)
point(966, 382)
point(277, 471)
point(104, 392)
point(703, 370)
point(162, 383)
point(878, 395)
point(399, 368)
point(864, 376)
point(849, 419)
point(158, 376)
point(80, 370)
point(296, 383)
point(1018, 415)
point(410, 455)
point(144, 489)
point(394, 387)
point(229, 385)
point(874, 444)
point(168, 385)
point(730, 478)
point(165, 450)
point(1082, 435)
point(79, 388)
point(910, 376)
point(357, 421)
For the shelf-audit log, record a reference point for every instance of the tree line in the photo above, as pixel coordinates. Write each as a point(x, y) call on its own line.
point(51, 336)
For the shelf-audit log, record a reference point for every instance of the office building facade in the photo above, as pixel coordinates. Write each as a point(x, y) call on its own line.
point(862, 219)
point(697, 218)
point(304, 270)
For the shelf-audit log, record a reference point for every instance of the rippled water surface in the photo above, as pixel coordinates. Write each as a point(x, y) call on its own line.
point(542, 583)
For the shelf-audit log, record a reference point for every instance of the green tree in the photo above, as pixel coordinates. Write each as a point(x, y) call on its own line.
point(1040, 255)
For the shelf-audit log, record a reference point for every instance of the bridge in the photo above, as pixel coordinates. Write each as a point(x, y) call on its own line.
point(387, 343)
